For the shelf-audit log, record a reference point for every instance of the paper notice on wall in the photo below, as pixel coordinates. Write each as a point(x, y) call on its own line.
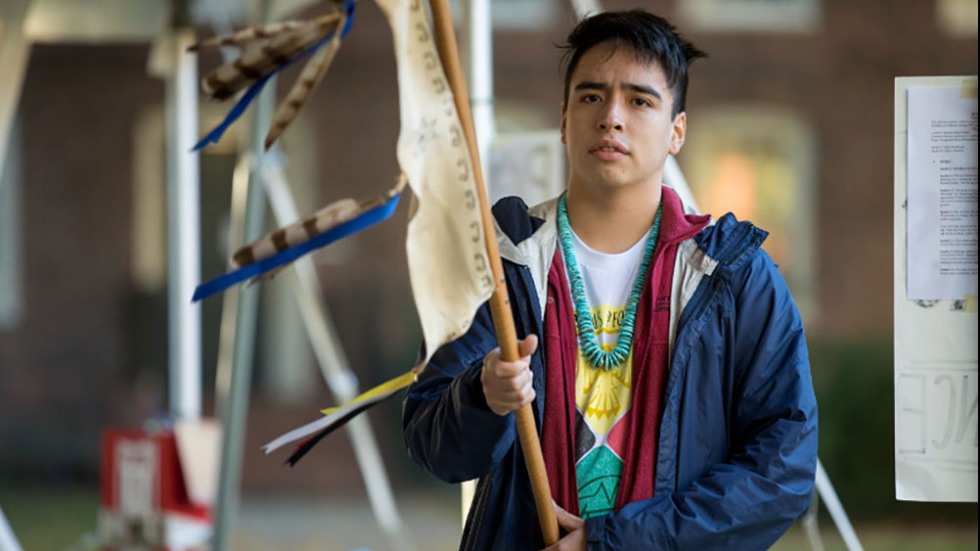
point(936, 431)
point(942, 193)
point(935, 337)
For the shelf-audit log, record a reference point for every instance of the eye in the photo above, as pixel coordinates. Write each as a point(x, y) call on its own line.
point(642, 102)
point(590, 98)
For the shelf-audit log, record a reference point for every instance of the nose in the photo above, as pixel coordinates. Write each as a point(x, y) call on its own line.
point(610, 118)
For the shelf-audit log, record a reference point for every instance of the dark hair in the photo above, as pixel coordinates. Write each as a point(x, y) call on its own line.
point(651, 37)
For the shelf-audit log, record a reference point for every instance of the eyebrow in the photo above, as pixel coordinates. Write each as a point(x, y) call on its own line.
point(640, 88)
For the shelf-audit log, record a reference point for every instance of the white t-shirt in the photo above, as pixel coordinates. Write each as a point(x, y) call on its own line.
point(602, 397)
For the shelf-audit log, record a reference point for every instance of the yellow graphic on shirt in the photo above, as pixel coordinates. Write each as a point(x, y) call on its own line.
point(604, 396)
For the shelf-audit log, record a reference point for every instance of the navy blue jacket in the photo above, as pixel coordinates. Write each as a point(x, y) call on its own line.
point(738, 440)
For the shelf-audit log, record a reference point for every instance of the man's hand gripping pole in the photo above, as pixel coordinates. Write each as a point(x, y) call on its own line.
point(503, 320)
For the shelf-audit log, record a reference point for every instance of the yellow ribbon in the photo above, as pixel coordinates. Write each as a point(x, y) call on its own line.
point(386, 387)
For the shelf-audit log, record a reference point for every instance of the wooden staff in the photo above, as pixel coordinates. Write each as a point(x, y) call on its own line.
point(503, 320)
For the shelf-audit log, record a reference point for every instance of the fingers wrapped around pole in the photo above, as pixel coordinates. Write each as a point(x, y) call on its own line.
point(503, 320)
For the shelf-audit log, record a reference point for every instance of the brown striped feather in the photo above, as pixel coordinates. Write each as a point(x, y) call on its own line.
point(248, 35)
point(258, 60)
point(337, 213)
point(300, 93)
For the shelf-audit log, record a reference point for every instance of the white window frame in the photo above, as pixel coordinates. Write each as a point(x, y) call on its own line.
point(11, 301)
point(957, 18)
point(741, 124)
point(517, 15)
point(751, 16)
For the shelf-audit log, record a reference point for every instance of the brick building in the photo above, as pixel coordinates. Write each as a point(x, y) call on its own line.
point(86, 346)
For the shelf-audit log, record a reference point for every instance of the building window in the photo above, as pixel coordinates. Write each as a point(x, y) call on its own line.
point(802, 16)
point(759, 164)
point(957, 18)
point(516, 15)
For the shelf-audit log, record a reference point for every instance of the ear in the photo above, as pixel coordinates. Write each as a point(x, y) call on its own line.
point(677, 133)
point(564, 116)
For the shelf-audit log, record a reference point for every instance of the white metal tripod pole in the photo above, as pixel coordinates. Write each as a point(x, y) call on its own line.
point(585, 8)
point(8, 541)
point(236, 394)
point(333, 364)
point(826, 492)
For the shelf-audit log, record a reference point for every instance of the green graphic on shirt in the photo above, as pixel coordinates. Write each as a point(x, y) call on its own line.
point(598, 475)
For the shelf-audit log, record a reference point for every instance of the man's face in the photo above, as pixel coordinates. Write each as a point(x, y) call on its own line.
point(617, 123)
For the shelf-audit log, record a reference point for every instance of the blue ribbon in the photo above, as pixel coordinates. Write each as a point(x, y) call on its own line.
point(250, 94)
point(255, 269)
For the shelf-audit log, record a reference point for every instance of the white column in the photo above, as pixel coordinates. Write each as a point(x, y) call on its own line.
point(479, 68)
point(183, 243)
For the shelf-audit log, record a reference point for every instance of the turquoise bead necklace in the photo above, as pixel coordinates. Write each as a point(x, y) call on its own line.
point(587, 340)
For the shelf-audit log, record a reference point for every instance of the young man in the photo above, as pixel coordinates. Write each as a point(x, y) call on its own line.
point(671, 385)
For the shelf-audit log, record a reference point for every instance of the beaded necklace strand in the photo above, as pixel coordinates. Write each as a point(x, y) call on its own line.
point(587, 339)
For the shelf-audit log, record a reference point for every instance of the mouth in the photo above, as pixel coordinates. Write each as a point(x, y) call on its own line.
point(609, 148)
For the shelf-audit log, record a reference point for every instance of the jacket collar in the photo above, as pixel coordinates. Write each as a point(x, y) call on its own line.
point(677, 222)
point(537, 250)
point(536, 247)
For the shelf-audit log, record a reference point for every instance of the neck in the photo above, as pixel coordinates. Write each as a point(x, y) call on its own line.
point(612, 221)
